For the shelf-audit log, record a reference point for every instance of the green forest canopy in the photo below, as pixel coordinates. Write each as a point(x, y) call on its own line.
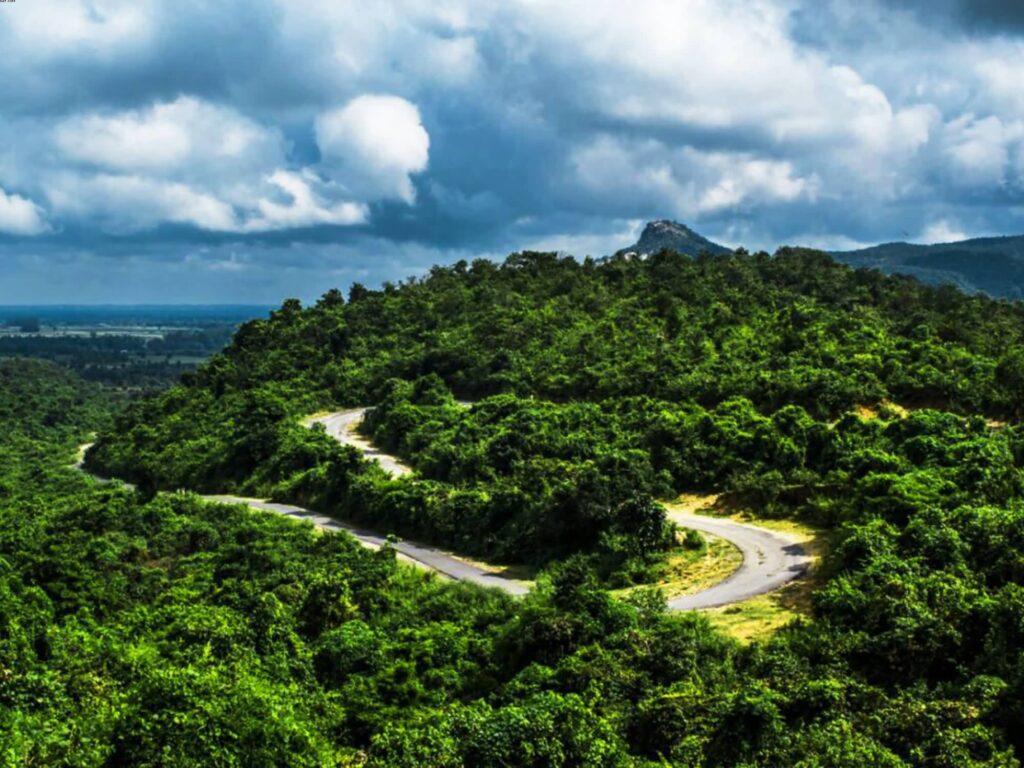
point(168, 631)
point(599, 384)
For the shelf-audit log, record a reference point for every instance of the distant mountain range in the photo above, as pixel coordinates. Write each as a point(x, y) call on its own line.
point(992, 265)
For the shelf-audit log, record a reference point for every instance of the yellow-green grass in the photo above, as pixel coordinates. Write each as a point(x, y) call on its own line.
point(307, 421)
point(888, 411)
point(685, 571)
point(524, 574)
point(759, 617)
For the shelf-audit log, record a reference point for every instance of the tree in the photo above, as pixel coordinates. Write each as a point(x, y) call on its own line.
point(646, 521)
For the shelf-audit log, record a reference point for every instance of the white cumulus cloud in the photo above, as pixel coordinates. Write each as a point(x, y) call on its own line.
point(771, 119)
point(685, 181)
point(184, 137)
point(942, 231)
point(194, 163)
point(59, 27)
point(980, 149)
point(303, 208)
point(132, 203)
point(375, 142)
point(19, 216)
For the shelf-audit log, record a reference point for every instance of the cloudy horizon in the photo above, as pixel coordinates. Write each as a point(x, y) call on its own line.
point(160, 152)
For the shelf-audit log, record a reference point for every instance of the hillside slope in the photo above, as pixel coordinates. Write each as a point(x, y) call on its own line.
point(993, 265)
point(602, 384)
point(872, 407)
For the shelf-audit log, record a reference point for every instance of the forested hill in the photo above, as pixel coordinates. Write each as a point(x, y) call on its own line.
point(991, 265)
point(994, 265)
point(794, 329)
point(38, 398)
point(872, 406)
point(619, 380)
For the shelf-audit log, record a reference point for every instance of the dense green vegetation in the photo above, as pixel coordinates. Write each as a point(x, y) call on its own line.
point(152, 629)
point(791, 330)
point(172, 632)
point(660, 375)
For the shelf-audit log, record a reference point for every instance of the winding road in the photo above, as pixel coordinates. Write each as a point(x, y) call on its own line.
point(770, 559)
point(342, 427)
point(421, 555)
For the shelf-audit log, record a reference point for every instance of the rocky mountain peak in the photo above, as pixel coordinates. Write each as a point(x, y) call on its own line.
point(663, 233)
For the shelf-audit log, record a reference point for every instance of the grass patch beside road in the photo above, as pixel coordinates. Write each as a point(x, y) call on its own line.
point(685, 571)
point(760, 616)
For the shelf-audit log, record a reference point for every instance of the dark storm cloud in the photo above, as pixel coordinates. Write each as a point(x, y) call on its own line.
point(981, 15)
point(270, 148)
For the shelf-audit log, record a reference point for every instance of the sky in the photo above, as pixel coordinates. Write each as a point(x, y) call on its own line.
point(229, 152)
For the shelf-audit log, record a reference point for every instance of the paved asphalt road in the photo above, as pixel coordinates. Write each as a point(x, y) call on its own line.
point(342, 427)
point(770, 559)
point(418, 554)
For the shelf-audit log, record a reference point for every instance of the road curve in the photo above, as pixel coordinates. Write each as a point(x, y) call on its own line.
point(418, 554)
point(770, 559)
point(421, 555)
point(342, 427)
